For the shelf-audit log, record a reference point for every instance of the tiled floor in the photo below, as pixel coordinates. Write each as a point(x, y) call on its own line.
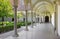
point(40, 31)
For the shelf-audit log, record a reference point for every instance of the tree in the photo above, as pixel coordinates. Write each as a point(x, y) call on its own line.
point(5, 9)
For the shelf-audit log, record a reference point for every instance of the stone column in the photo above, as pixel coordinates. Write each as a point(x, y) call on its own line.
point(56, 18)
point(26, 10)
point(32, 18)
point(15, 18)
point(15, 22)
point(50, 18)
point(26, 20)
point(35, 19)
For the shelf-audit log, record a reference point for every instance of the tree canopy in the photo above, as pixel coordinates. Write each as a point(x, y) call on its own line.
point(5, 8)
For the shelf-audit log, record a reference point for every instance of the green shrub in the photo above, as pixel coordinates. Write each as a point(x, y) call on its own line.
point(21, 24)
point(29, 23)
point(10, 26)
point(1, 30)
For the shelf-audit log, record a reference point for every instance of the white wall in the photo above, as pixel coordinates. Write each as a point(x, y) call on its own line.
point(59, 20)
point(52, 20)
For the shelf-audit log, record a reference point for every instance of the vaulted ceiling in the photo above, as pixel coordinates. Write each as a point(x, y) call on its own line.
point(43, 6)
point(39, 6)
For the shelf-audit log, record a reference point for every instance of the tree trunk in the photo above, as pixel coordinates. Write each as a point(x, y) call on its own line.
point(2, 20)
point(2, 24)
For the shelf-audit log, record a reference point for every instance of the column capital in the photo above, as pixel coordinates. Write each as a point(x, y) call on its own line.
point(15, 6)
point(15, 3)
point(55, 2)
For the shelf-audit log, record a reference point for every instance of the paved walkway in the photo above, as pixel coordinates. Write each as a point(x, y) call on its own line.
point(40, 31)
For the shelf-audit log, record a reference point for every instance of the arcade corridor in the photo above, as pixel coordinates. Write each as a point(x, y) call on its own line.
point(30, 19)
point(40, 31)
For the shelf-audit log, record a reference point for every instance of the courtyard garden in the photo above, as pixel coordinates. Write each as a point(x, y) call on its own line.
point(6, 10)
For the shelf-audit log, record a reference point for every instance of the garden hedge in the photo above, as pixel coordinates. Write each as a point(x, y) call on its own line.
point(10, 26)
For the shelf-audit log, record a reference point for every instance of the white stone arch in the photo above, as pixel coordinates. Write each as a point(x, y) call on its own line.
point(38, 1)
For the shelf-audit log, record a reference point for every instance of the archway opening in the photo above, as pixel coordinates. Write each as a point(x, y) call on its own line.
point(46, 19)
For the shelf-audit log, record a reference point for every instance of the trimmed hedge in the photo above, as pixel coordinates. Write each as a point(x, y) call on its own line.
point(7, 28)
point(10, 26)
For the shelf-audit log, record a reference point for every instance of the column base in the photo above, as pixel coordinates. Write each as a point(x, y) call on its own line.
point(26, 29)
point(15, 35)
point(31, 26)
point(56, 33)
